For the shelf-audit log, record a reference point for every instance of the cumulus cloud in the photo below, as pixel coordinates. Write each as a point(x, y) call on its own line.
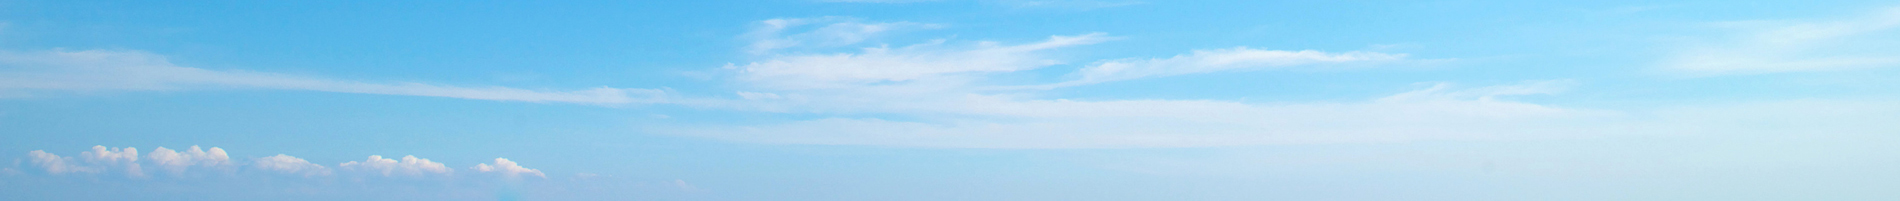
point(101, 159)
point(56, 164)
point(1794, 46)
point(507, 168)
point(177, 162)
point(290, 165)
point(1208, 61)
point(125, 158)
point(408, 166)
point(215, 161)
point(102, 70)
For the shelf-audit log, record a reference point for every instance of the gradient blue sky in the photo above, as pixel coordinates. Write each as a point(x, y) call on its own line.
point(950, 100)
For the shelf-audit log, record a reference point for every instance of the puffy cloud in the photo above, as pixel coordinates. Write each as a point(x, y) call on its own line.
point(408, 166)
point(103, 159)
point(127, 158)
point(176, 162)
point(1794, 46)
point(100, 160)
point(57, 165)
point(290, 165)
point(507, 168)
point(1208, 61)
point(101, 70)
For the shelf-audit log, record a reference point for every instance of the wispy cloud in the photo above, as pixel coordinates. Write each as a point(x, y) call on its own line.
point(103, 70)
point(1217, 60)
point(774, 34)
point(1436, 113)
point(910, 63)
point(1065, 4)
point(1794, 46)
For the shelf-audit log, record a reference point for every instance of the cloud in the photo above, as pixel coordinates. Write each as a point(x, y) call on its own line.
point(1218, 60)
point(874, 1)
point(101, 159)
point(57, 165)
point(197, 161)
point(95, 174)
point(1436, 113)
point(909, 63)
point(102, 70)
point(126, 158)
point(409, 166)
point(1794, 46)
point(177, 162)
point(290, 165)
point(943, 89)
point(1070, 4)
point(775, 34)
point(507, 169)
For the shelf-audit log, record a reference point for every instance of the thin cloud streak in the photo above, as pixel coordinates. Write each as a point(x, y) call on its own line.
point(1761, 47)
point(25, 74)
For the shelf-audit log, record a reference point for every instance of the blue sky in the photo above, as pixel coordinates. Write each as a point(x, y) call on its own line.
point(949, 100)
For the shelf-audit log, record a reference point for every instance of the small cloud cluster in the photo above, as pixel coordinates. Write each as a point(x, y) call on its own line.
point(100, 159)
point(507, 168)
point(290, 165)
point(177, 162)
point(408, 166)
point(126, 161)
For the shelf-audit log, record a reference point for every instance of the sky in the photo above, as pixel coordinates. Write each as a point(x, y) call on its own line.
point(949, 100)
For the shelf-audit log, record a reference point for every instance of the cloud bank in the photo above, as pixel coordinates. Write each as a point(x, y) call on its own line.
point(102, 160)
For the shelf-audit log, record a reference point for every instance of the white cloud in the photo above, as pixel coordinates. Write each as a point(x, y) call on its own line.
point(875, 1)
point(507, 169)
point(1208, 61)
point(127, 158)
point(915, 62)
point(1795, 46)
point(177, 162)
point(770, 35)
point(101, 159)
point(1070, 4)
point(408, 166)
point(290, 165)
point(944, 87)
point(57, 165)
point(101, 70)
point(1435, 113)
